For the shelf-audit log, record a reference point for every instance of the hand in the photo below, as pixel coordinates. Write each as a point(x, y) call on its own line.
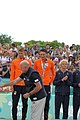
point(26, 95)
point(65, 78)
point(1, 88)
point(8, 68)
point(6, 89)
point(78, 84)
point(11, 88)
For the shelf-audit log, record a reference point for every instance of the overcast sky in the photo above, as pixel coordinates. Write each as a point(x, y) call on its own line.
point(45, 20)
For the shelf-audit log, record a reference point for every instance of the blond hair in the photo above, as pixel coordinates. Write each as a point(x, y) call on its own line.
point(63, 60)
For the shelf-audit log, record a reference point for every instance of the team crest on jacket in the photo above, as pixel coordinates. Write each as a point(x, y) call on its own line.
point(67, 73)
point(27, 79)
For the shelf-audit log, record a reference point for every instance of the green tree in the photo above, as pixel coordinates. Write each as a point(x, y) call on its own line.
point(5, 39)
point(42, 44)
point(55, 44)
point(77, 47)
point(18, 43)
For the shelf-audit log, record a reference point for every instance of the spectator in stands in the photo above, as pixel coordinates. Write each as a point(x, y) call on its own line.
point(13, 47)
point(4, 72)
point(71, 60)
point(31, 56)
point(49, 54)
point(78, 61)
point(14, 55)
point(35, 48)
point(71, 68)
point(78, 52)
point(26, 47)
point(5, 57)
point(36, 55)
point(62, 82)
point(7, 70)
point(73, 51)
point(1, 69)
point(26, 53)
point(56, 62)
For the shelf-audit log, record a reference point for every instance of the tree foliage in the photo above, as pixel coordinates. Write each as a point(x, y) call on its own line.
point(77, 47)
point(42, 44)
point(55, 44)
point(5, 39)
point(18, 43)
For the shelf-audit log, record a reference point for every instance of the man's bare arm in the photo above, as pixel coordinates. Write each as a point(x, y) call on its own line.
point(35, 90)
point(14, 82)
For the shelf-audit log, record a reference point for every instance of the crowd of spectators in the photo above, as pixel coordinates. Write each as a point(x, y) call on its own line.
point(10, 52)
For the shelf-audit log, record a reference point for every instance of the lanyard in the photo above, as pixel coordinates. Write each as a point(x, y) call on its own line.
point(44, 65)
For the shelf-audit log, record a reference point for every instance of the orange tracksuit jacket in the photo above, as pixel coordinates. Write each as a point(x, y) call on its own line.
point(49, 72)
point(16, 71)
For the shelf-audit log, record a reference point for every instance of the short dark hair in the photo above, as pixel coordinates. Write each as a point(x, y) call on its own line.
point(43, 50)
point(36, 52)
point(13, 44)
point(71, 47)
point(21, 49)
